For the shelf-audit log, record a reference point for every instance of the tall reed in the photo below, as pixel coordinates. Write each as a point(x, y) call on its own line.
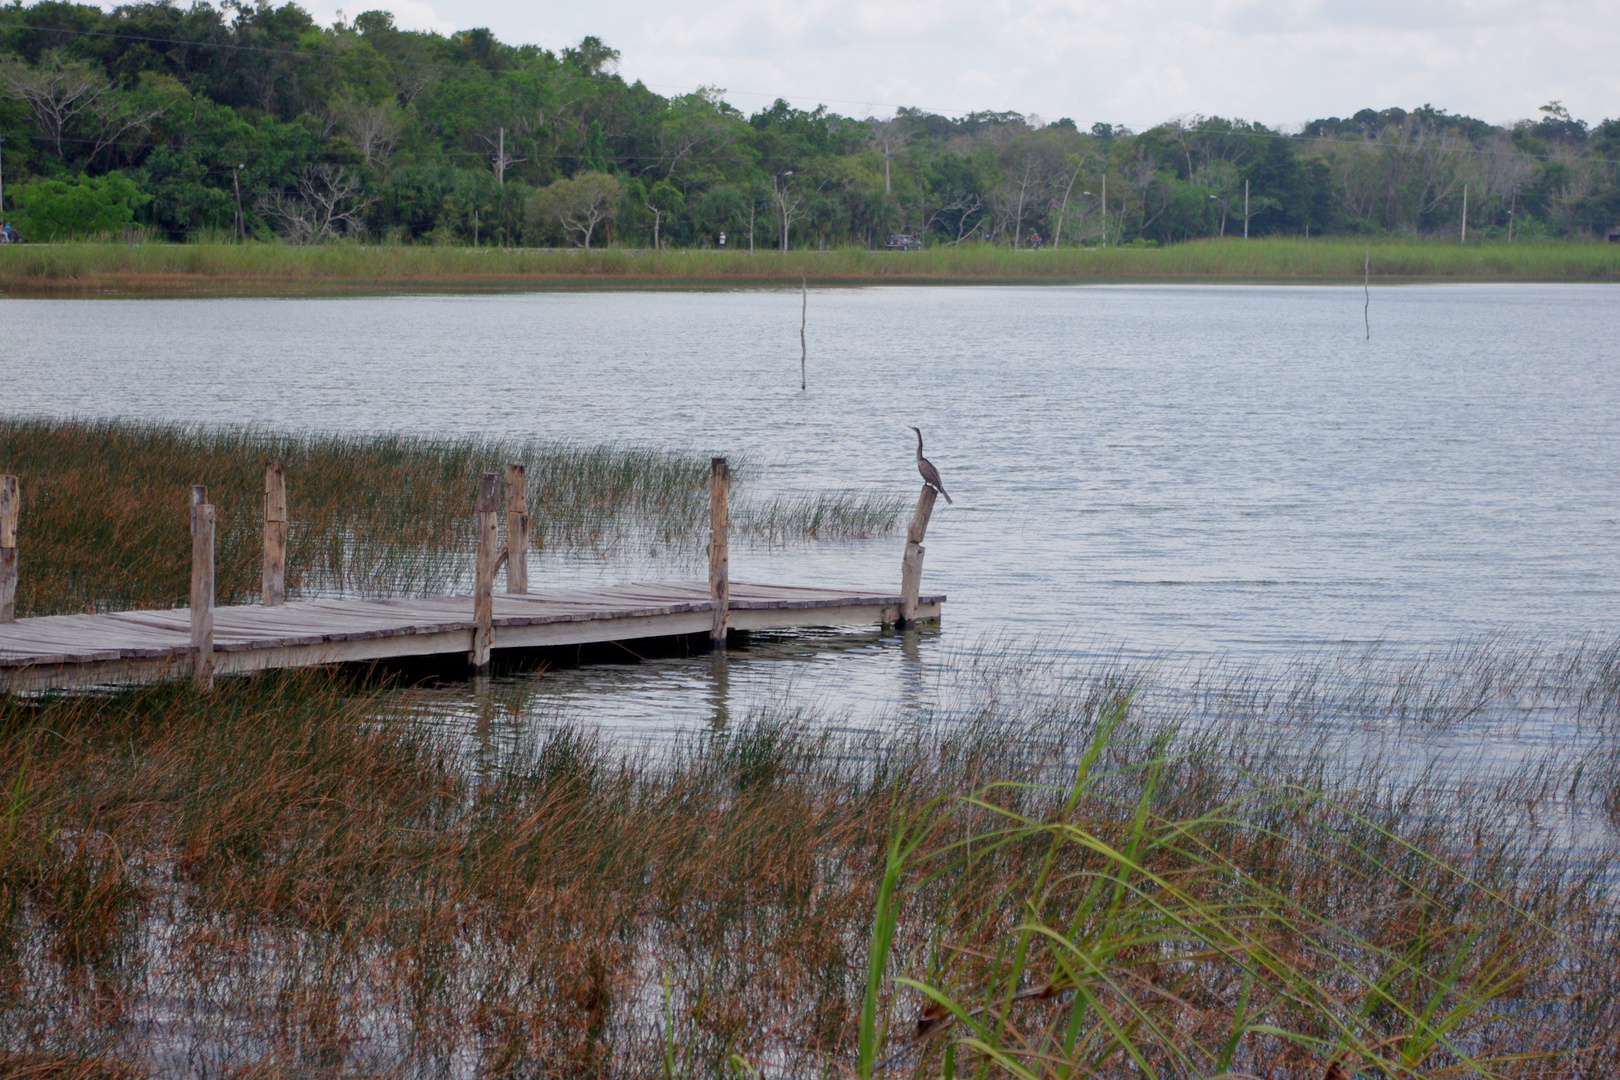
point(104, 525)
point(294, 874)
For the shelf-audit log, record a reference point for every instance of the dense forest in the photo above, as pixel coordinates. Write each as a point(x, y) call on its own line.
point(252, 121)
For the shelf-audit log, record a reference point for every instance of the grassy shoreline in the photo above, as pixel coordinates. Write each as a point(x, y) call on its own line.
point(269, 269)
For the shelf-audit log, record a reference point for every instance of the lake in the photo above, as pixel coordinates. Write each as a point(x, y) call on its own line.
point(1138, 471)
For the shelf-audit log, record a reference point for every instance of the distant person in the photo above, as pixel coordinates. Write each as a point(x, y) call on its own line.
point(12, 235)
point(5, 233)
point(722, 239)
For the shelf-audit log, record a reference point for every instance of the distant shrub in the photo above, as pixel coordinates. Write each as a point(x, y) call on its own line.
point(80, 206)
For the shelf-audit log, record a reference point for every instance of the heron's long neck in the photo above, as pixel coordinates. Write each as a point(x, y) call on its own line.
point(919, 446)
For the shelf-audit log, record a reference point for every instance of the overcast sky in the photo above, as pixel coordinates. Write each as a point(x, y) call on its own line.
point(1281, 62)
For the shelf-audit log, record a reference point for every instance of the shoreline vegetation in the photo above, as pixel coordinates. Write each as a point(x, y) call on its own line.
point(176, 270)
point(301, 874)
point(372, 515)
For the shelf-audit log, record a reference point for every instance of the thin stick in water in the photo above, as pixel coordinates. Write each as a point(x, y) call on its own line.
point(804, 314)
point(1366, 293)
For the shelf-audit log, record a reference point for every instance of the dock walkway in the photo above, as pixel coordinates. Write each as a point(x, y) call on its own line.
point(60, 651)
point(142, 646)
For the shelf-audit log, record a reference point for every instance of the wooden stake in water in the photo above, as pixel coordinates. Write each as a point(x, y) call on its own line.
point(275, 535)
point(8, 548)
point(911, 565)
point(203, 521)
point(489, 538)
point(719, 557)
point(517, 530)
point(804, 316)
point(1366, 292)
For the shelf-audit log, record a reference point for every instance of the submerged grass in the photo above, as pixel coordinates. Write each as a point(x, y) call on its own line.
point(67, 269)
point(289, 875)
point(103, 519)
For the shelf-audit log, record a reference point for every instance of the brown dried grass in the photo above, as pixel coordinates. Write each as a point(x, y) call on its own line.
point(293, 875)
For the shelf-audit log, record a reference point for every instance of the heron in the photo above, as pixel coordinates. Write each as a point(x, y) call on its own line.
point(930, 474)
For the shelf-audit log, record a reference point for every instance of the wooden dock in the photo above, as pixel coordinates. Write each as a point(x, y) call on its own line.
point(145, 646)
point(65, 651)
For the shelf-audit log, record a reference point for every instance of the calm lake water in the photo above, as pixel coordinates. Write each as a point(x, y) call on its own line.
point(1192, 471)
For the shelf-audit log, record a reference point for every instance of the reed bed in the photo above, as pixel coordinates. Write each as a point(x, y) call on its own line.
point(162, 269)
point(292, 875)
point(104, 520)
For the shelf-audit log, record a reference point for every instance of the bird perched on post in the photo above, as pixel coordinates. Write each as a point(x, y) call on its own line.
point(930, 474)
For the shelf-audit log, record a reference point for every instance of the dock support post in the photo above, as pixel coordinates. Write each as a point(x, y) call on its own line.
point(275, 535)
point(8, 548)
point(489, 538)
point(719, 557)
point(517, 530)
point(911, 565)
point(203, 519)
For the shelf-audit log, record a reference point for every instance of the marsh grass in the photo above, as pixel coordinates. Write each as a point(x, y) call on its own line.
point(295, 875)
point(103, 520)
point(272, 268)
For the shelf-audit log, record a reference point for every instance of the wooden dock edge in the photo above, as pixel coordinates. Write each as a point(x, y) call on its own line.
point(237, 659)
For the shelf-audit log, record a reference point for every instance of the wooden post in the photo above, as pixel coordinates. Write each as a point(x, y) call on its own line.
point(203, 520)
point(719, 558)
point(911, 565)
point(517, 530)
point(8, 548)
point(275, 535)
point(489, 538)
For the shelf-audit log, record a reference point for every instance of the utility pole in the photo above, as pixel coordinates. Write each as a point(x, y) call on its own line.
point(2, 176)
point(500, 160)
point(1245, 209)
point(1512, 206)
point(1105, 205)
point(1464, 239)
point(241, 222)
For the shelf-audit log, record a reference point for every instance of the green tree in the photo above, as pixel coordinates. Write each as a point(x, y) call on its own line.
point(574, 208)
point(78, 207)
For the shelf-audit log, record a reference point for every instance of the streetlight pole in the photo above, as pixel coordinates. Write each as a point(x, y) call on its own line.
point(1245, 209)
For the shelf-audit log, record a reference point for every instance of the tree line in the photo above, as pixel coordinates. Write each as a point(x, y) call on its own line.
point(251, 121)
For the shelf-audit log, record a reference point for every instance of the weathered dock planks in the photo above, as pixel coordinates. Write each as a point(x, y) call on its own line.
point(63, 651)
point(59, 651)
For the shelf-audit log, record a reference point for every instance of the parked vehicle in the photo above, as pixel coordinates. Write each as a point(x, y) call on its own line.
point(903, 242)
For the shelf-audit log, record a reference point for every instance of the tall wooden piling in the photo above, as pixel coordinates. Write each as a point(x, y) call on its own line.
point(203, 521)
point(8, 548)
point(517, 530)
point(911, 566)
point(489, 538)
point(275, 535)
point(719, 556)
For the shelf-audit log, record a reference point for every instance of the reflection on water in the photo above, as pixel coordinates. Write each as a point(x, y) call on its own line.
point(1493, 712)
